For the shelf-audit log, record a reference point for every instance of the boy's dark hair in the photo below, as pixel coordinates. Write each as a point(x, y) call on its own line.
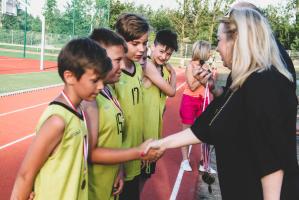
point(168, 38)
point(131, 26)
point(107, 38)
point(83, 53)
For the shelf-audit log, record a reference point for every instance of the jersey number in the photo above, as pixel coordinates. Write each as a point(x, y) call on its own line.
point(135, 95)
point(120, 124)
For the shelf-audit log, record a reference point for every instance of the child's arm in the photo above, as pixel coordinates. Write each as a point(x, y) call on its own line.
point(102, 155)
point(192, 82)
point(46, 141)
point(119, 181)
point(154, 75)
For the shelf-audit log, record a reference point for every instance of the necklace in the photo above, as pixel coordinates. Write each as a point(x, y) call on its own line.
point(219, 111)
point(85, 139)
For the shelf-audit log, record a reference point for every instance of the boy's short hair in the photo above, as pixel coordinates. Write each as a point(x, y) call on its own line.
point(168, 38)
point(131, 26)
point(83, 53)
point(107, 38)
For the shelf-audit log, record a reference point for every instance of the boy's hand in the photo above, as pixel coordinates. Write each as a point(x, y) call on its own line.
point(152, 155)
point(31, 196)
point(170, 69)
point(157, 147)
point(119, 182)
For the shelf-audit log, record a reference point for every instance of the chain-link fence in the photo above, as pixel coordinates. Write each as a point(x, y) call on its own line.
point(14, 40)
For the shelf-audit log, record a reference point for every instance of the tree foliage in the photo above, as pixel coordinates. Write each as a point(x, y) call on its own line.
point(192, 20)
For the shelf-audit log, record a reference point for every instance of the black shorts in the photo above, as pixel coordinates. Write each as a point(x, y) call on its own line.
point(131, 189)
point(148, 170)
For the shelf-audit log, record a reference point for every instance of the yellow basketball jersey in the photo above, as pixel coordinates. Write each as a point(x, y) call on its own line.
point(111, 123)
point(153, 108)
point(129, 93)
point(63, 176)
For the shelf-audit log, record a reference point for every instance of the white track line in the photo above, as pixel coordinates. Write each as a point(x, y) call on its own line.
point(30, 90)
point(177, 184)
point(31, 135)
point(17, 141)
point(179, 177)
point(178, 180)
point(22, 109)
point(180, 86)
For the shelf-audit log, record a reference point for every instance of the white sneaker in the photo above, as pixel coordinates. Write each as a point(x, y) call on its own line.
point(201, 168)
point(185, 165)
point(212, 171)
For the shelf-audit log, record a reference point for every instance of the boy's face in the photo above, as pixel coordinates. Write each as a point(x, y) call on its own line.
point(116, 54)
point(89, 85)
point(161, 54)
point(143, 59)
point(136, 48)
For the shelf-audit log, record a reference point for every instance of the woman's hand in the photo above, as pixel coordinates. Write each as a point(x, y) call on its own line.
point(155, 147)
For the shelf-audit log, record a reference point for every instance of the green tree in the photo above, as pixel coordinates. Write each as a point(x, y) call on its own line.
point(160, 20)
point(118, 8)
point(283, 22)
point(52, 16)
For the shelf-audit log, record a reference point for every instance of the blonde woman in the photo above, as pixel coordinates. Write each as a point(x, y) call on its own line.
point(193, 100)
point(254, 121)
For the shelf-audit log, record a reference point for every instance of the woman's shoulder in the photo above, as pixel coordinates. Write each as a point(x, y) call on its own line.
point(269, 80)
point(267, 76)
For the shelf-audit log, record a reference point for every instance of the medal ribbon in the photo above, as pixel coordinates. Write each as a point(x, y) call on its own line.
point(108, 94)
point(206, 147)
point(85, 140)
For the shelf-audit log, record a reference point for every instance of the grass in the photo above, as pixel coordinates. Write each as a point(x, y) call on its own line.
point(15, 82)
point(28, 55)
point(36, 49)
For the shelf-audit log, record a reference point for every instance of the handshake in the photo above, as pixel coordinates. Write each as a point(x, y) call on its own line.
point(151, 150)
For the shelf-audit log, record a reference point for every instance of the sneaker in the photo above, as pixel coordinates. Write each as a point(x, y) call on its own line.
point(212, 171)
point(185, 165)
point(201, 168)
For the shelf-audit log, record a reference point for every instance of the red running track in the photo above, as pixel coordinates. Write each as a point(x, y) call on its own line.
point(9, 65)
point(17, 122)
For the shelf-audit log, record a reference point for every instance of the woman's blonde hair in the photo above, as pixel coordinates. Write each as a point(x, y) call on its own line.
point(201, 51)
point(255, 48)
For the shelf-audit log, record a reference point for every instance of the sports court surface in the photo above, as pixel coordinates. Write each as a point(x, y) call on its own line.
point(20, 112)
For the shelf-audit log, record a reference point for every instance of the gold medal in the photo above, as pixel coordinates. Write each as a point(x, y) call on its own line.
point(83, 184)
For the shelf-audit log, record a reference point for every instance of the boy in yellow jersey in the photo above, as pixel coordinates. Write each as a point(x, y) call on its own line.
point(105, 175)
point(55, 166)
point(165, 44)
point(134, 29)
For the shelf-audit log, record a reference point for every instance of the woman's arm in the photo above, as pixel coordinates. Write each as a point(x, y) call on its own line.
point(180, 139)
point(47, 139)
point(272, 185)
point(151, 72)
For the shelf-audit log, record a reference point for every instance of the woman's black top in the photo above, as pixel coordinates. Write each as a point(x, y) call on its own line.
point(254, 135)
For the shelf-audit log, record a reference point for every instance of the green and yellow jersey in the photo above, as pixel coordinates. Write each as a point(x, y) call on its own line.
point(129, 93)
point(111, 123)
point(153, 108)
point(64, 174)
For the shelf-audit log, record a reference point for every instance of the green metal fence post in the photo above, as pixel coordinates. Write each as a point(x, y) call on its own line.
point(74, 15)
point(25, 32)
